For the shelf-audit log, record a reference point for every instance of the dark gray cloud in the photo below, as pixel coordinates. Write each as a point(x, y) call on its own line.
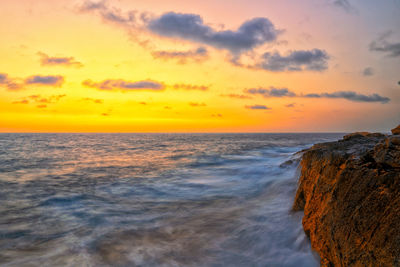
point(45, 60)
point(110, 85)
point(45, 80)
point(258, 107)
point(368, 71)
point(300, 60)
point(249, 35)
point(271, 92)
point(391, 49)
point(352, 96)
point(190, 87)
point(197, 55)
point(348, 95)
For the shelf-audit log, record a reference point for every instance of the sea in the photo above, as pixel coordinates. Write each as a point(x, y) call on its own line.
point(152, 199)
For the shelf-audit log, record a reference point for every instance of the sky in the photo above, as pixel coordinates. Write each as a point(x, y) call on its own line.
point(199, 66)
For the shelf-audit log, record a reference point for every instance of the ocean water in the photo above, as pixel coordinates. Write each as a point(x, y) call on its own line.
point(152, 200)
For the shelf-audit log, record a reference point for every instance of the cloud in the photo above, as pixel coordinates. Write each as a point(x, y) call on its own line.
point(291, 105)
point(250, 34)
point(271, 92)
point(258, 107)
point(190, 87)
point(24, 101)
point(9, 83)
point(298, 60)
point(345, 5)
point(45, 80)
point(237, 96)
point(348, 95)
point(40, 99)
point(352, 96)
point(217, 115)
point(197, 55)
point(114, 15)
point(58, 61)
point(96, 101)
point(90, 5)
point(3, 78)
point(190, 27)
point(392, 49)
point(41, 106)
point(14, 84)
point(110, 85)
point(368, 71)
point(194, 104)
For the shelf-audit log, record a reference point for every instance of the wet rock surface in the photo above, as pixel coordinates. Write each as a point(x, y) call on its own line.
point(350, 193)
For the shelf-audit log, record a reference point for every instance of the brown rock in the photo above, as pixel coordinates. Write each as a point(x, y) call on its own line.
point(362, 134)
point(396, 131)
point(350, 193)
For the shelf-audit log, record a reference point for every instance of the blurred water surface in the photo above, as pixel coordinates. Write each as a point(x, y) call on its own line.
point(151, 200)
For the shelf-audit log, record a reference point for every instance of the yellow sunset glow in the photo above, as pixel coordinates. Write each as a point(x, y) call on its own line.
point(198, 94)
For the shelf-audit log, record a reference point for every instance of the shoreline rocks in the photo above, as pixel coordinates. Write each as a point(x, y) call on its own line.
point(350, 193)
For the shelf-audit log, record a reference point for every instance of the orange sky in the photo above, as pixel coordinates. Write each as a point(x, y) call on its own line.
point(207, 66)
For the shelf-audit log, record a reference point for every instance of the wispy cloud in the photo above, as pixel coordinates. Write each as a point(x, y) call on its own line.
point(58, 61)
point(271, 92)
point(113, 15)
point(10, 83)
point(238, 96)
point(14, 84)
point(368, 71)
point(42, 100)
point(190, 87)
point(348, 95)
point(345, 5)
point(352, 96)
point(195, 104)
point(45, 80)
point(381, 44)
point(290, 105)
point(24, 101)
point(198, 55)
point(258, 107)
point(110, 85)
point(94, 100)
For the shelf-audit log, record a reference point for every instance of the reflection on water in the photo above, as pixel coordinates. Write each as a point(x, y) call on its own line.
point(151, 200)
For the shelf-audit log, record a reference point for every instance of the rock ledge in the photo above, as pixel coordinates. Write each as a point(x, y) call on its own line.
point(350, 193)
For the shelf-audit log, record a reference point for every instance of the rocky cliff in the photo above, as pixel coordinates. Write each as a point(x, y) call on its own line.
point(350, 193)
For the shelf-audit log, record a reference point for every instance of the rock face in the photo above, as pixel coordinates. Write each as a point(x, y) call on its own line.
point(396, 131)
point(350, 193)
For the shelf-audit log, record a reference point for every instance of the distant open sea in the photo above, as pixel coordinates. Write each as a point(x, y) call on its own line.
point(152, 200)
